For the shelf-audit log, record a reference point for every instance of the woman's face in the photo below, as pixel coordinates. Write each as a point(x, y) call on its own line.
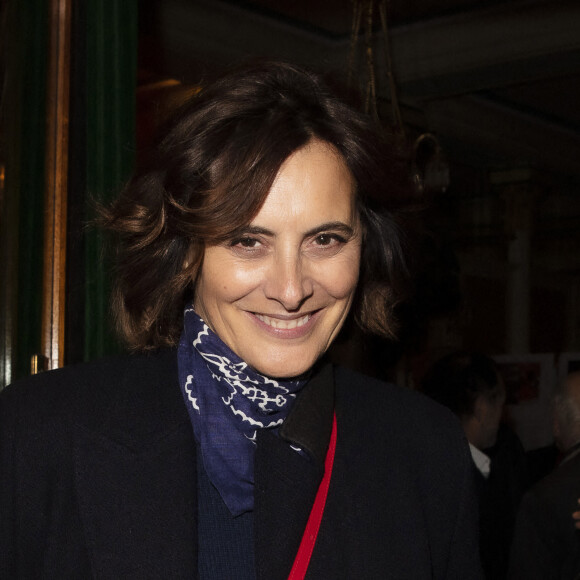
point(278, 293)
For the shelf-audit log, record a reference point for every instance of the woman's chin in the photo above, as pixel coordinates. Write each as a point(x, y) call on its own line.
point(284, 369)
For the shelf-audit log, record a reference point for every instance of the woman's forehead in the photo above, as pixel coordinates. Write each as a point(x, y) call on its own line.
point(313, 184)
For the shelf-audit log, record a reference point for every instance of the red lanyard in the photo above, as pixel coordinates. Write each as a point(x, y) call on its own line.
point(302, 560)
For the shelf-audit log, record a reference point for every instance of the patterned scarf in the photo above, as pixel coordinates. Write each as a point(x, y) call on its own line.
point(228, 402)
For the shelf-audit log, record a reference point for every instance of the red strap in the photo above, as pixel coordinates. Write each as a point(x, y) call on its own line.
point(302, 560)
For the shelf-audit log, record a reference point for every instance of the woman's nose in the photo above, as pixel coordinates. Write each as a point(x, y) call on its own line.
point(288, 283)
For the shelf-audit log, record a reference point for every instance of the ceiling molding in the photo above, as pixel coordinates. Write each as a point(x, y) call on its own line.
point(500, 46)
point(209, 33)
point(500, 131)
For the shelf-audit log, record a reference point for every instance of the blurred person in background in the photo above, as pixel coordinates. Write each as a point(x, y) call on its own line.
point(547, 544)
point(470, 385)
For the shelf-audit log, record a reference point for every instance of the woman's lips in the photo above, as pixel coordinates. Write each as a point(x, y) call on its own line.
point(287, 327)
point(281, 324)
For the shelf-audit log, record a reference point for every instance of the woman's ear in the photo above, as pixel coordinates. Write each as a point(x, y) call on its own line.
point(190, 257)
point(192, 263)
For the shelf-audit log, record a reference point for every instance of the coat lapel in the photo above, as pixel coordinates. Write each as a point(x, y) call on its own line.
point(135, 475)
point(286, 481)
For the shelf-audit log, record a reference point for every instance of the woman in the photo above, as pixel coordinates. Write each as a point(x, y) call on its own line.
point(244, 242)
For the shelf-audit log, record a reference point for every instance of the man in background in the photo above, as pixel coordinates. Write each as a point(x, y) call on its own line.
point(546, 543)
point(469, 384)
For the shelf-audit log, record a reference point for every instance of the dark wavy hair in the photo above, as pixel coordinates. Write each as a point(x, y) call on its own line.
point(209, 174)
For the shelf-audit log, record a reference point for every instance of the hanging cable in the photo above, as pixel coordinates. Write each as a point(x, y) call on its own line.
point(396, 111)
point(354, 32)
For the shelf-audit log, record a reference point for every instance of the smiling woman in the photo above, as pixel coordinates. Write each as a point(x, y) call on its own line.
point(225, 446)
point(210, 175)
point(293, 273)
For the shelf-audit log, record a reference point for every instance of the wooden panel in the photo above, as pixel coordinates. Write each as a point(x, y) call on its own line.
point(111, 58)
point(53, 310)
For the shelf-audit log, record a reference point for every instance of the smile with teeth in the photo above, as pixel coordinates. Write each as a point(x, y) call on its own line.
point(284, 324)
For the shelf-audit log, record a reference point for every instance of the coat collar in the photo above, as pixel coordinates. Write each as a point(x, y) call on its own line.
point(309, 424)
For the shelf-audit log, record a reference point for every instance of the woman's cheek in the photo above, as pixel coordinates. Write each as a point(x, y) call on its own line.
point(341, 279)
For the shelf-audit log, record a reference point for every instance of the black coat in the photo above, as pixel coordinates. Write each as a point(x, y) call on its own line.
point(98, 479)
point(500, 496)
point(546, 544)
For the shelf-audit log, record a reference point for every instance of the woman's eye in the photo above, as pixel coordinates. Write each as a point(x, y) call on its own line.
point(247, 242)
point(329, 239)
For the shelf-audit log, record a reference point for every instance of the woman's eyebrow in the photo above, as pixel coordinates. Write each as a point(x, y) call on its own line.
point(331, 226)
point(254, 230)
point(325, 227)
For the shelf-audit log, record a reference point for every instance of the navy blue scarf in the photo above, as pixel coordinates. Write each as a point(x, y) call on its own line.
point(228, 402)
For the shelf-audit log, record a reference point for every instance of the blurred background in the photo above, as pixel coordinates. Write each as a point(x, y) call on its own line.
point(482, 96)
